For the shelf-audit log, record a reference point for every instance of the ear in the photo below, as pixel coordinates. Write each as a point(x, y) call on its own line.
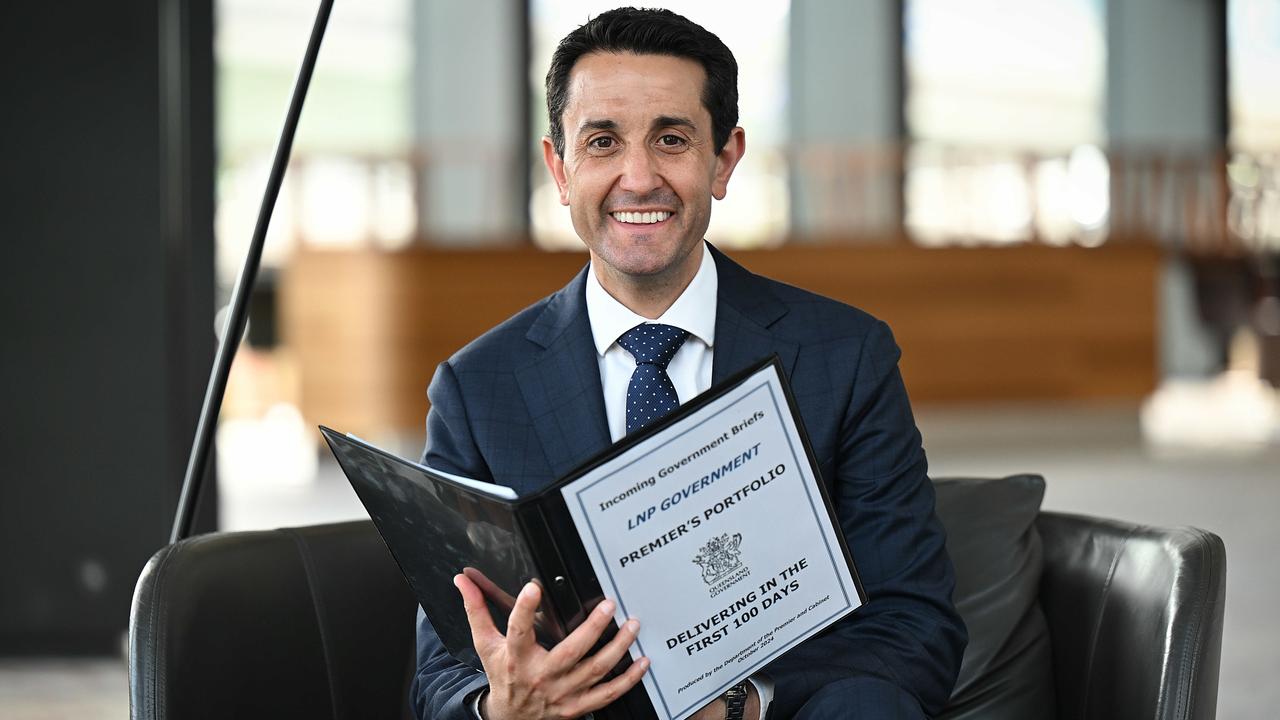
point(727, 160)
point(555, 164)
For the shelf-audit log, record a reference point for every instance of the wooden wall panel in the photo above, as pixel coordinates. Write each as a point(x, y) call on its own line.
point(975, 324)
point(998, 324)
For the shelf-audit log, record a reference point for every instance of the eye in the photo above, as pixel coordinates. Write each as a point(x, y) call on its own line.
point(672, 141)
point(604, 142)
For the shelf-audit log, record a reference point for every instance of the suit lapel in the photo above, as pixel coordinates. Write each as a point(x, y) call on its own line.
point(746, 310)
point(561, 387)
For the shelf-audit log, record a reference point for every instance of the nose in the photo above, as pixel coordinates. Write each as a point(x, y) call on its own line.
point(639, 171)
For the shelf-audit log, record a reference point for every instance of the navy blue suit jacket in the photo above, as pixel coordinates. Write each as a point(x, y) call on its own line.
point(522, 406)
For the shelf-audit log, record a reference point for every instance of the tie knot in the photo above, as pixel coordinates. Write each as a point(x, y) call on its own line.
point(652, 343)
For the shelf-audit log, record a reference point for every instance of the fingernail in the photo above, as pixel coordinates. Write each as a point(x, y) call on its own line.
point(456, 582)
point(632, 625)
point(644, 663)
point(528, 590)
point(605, 607)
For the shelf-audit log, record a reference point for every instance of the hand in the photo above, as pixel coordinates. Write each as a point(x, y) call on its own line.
point(528, 681)
point(715, 710)
point(503, 600)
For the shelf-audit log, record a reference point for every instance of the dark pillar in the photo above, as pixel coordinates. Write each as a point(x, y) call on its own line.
point(107, 280)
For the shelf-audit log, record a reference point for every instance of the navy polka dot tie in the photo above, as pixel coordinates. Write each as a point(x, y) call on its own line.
point(651, 393)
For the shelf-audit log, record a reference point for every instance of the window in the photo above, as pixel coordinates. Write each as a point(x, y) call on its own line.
point(1253, 41)
point(1004, 110)
point(351, 182)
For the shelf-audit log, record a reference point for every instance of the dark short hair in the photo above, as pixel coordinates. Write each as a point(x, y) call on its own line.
point(648, 32)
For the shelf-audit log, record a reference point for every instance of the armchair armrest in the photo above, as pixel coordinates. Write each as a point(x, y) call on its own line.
point(310, 622)
point(1135, 616)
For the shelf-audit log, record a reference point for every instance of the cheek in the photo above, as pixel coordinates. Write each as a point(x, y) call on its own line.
point(593, 184)
point(696, 179)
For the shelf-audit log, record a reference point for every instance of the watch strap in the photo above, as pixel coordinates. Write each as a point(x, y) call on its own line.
point(735, 701)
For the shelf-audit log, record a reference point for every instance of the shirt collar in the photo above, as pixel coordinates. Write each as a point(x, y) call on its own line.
point(694, 311)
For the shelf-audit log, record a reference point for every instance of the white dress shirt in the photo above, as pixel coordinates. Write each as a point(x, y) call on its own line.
point(690, 368)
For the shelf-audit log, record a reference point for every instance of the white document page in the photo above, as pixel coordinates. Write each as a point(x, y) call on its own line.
point(714, 535)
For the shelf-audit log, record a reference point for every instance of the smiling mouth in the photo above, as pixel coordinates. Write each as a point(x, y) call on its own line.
point(640, 218)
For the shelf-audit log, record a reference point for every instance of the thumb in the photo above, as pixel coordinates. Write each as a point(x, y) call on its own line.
point(483, 632)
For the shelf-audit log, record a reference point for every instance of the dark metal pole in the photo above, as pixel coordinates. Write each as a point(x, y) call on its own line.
point(239, 312)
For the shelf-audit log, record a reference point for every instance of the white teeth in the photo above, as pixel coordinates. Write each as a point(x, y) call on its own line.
point(647, 218)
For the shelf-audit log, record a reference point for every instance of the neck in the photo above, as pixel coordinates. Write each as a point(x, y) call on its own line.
point(648, 296)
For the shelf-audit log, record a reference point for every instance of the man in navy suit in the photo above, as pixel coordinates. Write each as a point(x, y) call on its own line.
point(643, 113)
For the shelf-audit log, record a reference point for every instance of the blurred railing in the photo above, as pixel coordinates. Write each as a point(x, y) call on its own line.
point(1205, 202)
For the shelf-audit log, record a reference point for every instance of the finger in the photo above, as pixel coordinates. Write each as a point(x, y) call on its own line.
point(483, 632)
point(573, 648)
point(496, 595)
point(520, 636)
point(607, 692)
point(590, 671)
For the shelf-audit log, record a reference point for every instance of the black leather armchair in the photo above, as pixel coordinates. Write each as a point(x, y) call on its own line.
point(1123, 621)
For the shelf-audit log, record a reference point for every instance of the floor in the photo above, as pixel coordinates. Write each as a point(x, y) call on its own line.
point(1095, 461)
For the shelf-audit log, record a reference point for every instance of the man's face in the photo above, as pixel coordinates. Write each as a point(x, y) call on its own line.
point(640, 167)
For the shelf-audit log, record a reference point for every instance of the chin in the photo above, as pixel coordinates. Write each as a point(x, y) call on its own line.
point(635, 267)
point(644, 261)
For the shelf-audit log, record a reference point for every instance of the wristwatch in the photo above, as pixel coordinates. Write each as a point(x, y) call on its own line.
point(735, 701)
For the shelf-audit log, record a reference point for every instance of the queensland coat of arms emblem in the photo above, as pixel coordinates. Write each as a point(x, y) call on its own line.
point(719, 557)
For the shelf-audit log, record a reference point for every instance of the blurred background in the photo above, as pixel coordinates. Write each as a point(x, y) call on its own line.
point(1067, 210)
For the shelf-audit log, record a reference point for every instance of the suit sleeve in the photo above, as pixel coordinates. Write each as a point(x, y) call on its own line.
point(908, 633)
point(442, 686)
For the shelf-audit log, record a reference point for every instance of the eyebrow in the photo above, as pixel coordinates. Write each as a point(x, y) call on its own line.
point(672, 120)
point(597, 125)
point(659, 122)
